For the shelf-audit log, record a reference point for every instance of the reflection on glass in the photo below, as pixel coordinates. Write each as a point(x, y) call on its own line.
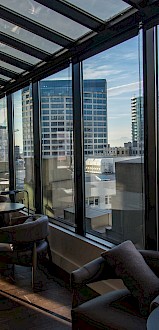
point(31, 38)
point(105, 10)
point(4, 77)
point(10, 67)
point(57, 146)
point(114, 145)
point(4, 170)
point(23, 148)
point(47, 17)
point(18, 54)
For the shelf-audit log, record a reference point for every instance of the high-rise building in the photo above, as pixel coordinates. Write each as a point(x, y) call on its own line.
point(57, 117)
point(3, 143)
point(137, 115)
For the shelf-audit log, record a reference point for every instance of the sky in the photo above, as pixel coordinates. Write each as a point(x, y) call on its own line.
point(120, 67)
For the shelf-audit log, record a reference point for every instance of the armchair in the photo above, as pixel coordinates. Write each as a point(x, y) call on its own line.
point(24, 244)
point(4, 218)
point(116, 310)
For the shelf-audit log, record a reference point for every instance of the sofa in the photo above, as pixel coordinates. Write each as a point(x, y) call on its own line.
point(119, 309)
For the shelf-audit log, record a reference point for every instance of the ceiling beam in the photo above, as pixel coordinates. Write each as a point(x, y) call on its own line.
point(33, 27)
point(2, 82)
point(72, 12)
point(23, 46)
point(113, 33)
point(116, 31)
point(8, 73)
point(133, 3)
point(16, 62)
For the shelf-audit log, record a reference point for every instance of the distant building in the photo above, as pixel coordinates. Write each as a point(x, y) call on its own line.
point(16, 152)
point(128, 208)
point(103, 165)
point(57, 118)
point(129, 149)
point(117, 151)
point(137, 115)
point(3, 143)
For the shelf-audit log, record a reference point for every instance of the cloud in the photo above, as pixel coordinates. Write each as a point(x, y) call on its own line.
point(100, 72)
point(118, 90)
point(131, 56)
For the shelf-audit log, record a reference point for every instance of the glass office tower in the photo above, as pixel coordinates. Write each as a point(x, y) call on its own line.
point(57, 117)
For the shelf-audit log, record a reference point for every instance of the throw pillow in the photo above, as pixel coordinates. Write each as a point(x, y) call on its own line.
point(130, 266)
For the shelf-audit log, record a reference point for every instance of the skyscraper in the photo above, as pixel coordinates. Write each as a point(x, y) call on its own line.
point(57, 117)
point(137, 115)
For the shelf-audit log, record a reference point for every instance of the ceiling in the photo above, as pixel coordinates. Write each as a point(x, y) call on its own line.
point(37, 37)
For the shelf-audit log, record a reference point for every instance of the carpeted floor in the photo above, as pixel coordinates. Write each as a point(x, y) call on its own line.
point(16, 315)
point(47, 308)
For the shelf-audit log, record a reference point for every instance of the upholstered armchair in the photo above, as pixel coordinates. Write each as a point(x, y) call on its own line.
point(23, 244)
point(118, 309)
point(4, 218)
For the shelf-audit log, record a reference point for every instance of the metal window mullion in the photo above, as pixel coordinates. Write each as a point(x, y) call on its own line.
point(73, 13)
point(34, 27)
point(78, 134)
point(150, 139)
point(10, 122)
point(15, 61)
point(37, 148)
point(23, 46)
point(157, 128)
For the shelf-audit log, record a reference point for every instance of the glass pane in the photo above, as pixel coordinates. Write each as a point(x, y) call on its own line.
point(18, 54)
point(10, 67)
point(23, 148)
point(114, 144)
point(57, 146)
point(4, 77)
point(24, 35)
point(47, 17)
point(4, 169)
point(103, 9)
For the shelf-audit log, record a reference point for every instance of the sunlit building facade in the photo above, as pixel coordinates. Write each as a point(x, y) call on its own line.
point(137, 113)
point(57, 117)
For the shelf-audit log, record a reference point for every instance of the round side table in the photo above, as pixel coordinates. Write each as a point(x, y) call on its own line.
point(153, 320)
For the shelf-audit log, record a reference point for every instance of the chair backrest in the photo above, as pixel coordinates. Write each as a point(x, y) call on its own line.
point(3, 198)
point(27, 232)
point(4, 218)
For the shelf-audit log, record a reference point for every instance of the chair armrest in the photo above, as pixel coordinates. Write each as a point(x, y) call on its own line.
point(154, 303)
point(91, 272)
point(152, 259)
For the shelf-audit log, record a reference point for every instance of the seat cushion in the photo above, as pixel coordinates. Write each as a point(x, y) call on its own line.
point(116, 310)
point(130, 266)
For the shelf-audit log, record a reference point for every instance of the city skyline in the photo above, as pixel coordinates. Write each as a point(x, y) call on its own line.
point(120, 67)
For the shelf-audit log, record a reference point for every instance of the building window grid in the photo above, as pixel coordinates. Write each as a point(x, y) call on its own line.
point(27, 96)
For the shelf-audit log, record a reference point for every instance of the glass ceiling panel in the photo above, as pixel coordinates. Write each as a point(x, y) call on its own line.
point(51, 19)
point(18, 54)
point(10, 67)
point(4, 77)
point(103, 9)
point(31, 38)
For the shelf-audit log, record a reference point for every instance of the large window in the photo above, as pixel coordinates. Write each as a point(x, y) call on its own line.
point(116, 152)
point(114, 143)
point(23, 145)
point(4, 175)
point(57, 146)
